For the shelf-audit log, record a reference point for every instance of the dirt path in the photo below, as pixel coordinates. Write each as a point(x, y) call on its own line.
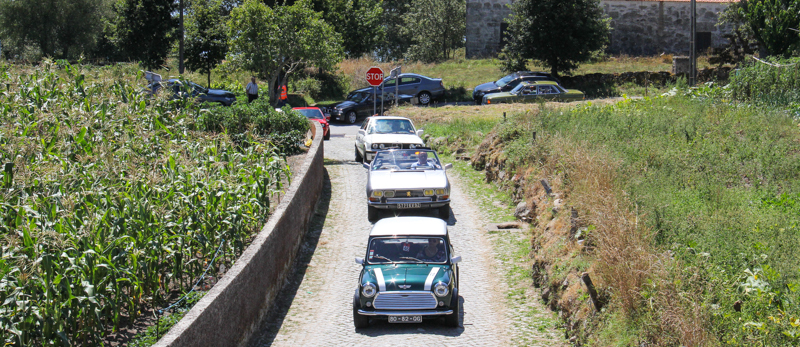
point(315, 307)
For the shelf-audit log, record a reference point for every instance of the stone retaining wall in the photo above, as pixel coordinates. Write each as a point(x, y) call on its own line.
point(229, 312)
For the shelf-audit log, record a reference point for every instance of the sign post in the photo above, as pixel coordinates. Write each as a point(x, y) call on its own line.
point(374, 78)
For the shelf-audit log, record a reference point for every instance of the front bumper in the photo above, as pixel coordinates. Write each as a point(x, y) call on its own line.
point(423, 204)
point(405, 313)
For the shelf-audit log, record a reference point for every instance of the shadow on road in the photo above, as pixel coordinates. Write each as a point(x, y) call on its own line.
point(451, 220)
point(271, 324)
point(432, 327)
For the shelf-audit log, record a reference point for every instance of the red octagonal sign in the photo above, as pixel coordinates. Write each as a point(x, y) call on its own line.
point(374, 76)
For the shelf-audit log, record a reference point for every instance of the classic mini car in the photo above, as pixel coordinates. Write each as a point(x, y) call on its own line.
point(409, 274)
point(360, 103)
point(534, 92)
point(508, 83)
point(384, 132)
point(425, 88)
point(316, 114)
point(407, 179)
point(187, 89)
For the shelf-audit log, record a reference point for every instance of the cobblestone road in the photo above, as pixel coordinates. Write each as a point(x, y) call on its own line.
point(315, 308)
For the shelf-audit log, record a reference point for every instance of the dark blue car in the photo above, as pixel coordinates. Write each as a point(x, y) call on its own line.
point(188, 89)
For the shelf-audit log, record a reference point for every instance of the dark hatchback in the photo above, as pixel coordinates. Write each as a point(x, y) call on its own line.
point(190, 89)
point(508, 83)
point(360, 103)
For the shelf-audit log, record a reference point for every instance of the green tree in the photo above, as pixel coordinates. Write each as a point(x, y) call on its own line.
point(770, 22)
point(359, 22)
point(145, 30)
point(59, 28)
point(436, 28)
point(395, 43)
point(557, 33)
point(206, 40)
point(276, 42)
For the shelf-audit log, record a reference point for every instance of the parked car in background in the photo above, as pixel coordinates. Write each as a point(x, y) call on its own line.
point(384, 132)
point(425, 88)
point(360, 103)
point(316, 114)
point(408, 274)
point(508, 83)
point(188, 89)
point(401, 179)
point(527, 92)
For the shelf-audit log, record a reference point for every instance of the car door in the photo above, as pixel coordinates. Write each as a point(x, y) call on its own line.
point(409, 85)
point(365, 107)
point(362, 132)
point(528, 95)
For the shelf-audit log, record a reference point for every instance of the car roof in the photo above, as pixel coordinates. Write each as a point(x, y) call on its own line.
point(410, 226)
point(388, 117)
point(539, 82)
point(411, 74)
point(533, 73)
point(306, 108)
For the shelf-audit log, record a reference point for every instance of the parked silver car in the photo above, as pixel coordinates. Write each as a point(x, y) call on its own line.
point(425, 88)
point(407, 179)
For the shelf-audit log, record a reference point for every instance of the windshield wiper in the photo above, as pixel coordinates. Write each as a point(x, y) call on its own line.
point(382, 257)
point(412, 258)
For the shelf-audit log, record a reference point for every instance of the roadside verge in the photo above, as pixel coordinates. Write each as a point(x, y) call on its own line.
point(232, 309)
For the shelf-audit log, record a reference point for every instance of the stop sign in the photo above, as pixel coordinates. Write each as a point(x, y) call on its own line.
point(374, 76)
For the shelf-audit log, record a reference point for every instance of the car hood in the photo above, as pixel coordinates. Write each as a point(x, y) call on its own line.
point(416, 179)
point(219, 92)
point(345, 105)
point(487, 87)
point(393, 138)
point(413, 275)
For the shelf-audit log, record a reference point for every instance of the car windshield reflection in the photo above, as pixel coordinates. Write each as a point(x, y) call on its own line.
point(406, 159)
point(391, 126)
point(417, 249)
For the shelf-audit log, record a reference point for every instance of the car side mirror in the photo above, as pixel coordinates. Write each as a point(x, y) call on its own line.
point(360, 261)
point(419, 132)
point(448, 166)
point(365, 165)
point(456, 259)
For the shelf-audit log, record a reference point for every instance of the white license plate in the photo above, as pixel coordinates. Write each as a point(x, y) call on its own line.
point(405, 319)
point(412, 205)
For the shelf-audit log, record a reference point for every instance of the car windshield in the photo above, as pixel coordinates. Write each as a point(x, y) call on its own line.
point(505, 80)
point(406, 159)
point(311, 113)
point(416, 249)
point(357, 97)
point(518, 88)
point(391, 126)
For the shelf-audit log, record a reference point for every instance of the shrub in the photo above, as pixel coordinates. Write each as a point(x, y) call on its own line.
point(777, 84)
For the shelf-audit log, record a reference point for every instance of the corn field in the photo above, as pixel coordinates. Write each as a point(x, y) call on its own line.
point(111, 202)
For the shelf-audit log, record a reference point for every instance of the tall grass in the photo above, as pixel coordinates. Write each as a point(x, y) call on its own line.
point(111, 202)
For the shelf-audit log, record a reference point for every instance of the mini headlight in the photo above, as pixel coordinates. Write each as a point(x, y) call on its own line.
point(374, 145)
point(377, 193)
point(440, 192)
point(440, 289)
point(368, 290)
point(427, 192)
point(389, 193)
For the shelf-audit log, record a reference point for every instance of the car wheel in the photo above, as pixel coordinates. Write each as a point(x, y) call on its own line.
point(327, 135)
point(455, 305)
point(372, 214)
point(444, 213)
point(359, 321)
point(351, 117)
point(424, 98)
point(358, 156)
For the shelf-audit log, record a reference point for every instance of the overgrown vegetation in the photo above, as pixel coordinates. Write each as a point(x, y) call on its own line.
point(111, 202)
point(687, 210)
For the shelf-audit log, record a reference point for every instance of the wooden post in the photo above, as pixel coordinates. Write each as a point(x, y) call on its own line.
point(592, 292)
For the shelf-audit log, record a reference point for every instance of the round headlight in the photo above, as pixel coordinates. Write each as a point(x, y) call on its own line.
point(374, 145)
point(368, 290)
point(381, 146)
point(412, 146)
point(377, 193)
point(427, 192)
point(440, 289)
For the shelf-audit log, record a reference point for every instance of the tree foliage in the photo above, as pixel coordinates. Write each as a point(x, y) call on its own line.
point(436, 28)
point(276, 42)
point(59, 28)
point(558, 33)
point(770, 22)
point(358, 21)
point(395, 43)
point(145, 30)
point(206, 39)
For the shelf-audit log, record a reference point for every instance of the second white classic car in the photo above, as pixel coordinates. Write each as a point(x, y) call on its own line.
point(385, 132)
point(407, 179)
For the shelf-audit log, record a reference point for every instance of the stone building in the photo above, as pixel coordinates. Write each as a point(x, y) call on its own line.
point(637, 27)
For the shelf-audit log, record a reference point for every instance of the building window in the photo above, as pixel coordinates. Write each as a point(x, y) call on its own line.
point(703, 41)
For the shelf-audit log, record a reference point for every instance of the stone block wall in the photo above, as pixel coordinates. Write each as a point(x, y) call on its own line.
point(484, 19)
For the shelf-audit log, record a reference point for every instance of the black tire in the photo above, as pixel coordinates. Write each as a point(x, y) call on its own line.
point(444, 213)
point(358, 156)
point(351, 117)
point(455, 304)
point(424, 98)
point(372, 214)
point(327, 136)
point(359, 321)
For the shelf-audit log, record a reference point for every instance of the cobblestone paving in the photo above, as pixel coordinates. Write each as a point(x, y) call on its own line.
point(315, 308)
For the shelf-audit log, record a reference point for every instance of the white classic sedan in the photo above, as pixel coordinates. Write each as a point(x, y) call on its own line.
point(385, 132)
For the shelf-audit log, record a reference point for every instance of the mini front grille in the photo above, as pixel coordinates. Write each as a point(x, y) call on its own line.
point(405, 301)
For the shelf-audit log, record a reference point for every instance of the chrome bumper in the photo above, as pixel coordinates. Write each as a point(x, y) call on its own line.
point(404, 313)
point(422, 204)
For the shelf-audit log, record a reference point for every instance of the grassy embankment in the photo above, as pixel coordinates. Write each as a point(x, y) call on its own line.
point(688, 205)
point(112, 204)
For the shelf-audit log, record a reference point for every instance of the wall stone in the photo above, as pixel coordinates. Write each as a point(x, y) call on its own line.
point(637, 27)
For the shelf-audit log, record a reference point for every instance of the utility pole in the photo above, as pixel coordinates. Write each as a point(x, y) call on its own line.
point(180, 48)
point(692, 45)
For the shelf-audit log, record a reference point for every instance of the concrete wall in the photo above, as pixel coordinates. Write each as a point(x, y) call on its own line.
point(233, 308)
point(637, 27)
